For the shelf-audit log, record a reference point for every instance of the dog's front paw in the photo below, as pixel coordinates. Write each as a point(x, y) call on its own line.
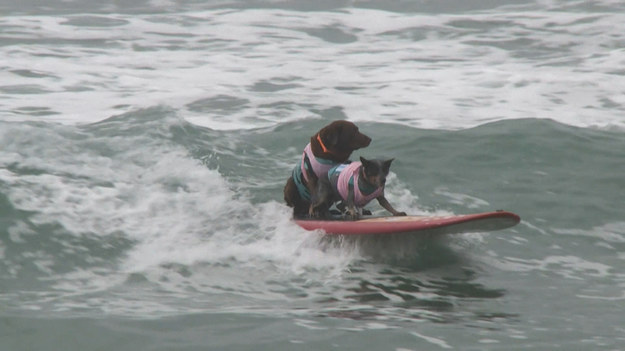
point(351, 215)
point(400, 214)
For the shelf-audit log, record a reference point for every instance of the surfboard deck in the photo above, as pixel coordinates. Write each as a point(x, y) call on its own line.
point(452, 224)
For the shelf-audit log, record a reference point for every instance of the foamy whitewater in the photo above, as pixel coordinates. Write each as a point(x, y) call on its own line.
point(144, 147)
point(269, 66)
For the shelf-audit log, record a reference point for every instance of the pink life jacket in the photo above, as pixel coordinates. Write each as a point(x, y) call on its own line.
point(319, 166)
point(349, 173)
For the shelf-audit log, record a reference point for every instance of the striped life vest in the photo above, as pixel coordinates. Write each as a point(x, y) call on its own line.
point(344, 175)
point(319, 166)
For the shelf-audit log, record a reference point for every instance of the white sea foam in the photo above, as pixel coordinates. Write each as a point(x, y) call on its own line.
point(610, 233)
point(173, 213)
point(433, 71)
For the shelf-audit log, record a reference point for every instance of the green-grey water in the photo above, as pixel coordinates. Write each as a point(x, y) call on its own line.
point(144, 148)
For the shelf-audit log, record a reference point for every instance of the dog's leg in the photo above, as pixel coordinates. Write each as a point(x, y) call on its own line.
point(294, 200)
point(352, 213)
point(312, 186)
point(317, 204)
point(384, 203)
point(322, 199)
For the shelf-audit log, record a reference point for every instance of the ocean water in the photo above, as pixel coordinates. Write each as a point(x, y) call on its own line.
point(144, 146)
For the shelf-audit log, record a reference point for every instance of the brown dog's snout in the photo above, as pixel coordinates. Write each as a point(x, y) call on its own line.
point(360, 141)
point(367, 140)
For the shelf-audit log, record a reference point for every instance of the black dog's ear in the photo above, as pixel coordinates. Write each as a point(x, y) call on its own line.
point(364, 161)
point(386, 166)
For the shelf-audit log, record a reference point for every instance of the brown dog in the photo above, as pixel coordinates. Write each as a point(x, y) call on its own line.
point(332, 145)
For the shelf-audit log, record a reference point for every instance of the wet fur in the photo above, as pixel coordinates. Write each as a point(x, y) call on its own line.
point(341, 138)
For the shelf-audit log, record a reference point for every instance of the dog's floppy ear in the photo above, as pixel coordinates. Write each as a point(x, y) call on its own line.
point(386, 166)
point(331, 137)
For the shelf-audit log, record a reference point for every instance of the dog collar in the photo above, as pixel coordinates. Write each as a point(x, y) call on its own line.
point(323, 146)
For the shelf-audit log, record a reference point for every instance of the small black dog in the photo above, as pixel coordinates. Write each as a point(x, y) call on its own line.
point(355, 184)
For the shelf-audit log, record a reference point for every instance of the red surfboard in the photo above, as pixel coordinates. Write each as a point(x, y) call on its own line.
point(452, 224)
